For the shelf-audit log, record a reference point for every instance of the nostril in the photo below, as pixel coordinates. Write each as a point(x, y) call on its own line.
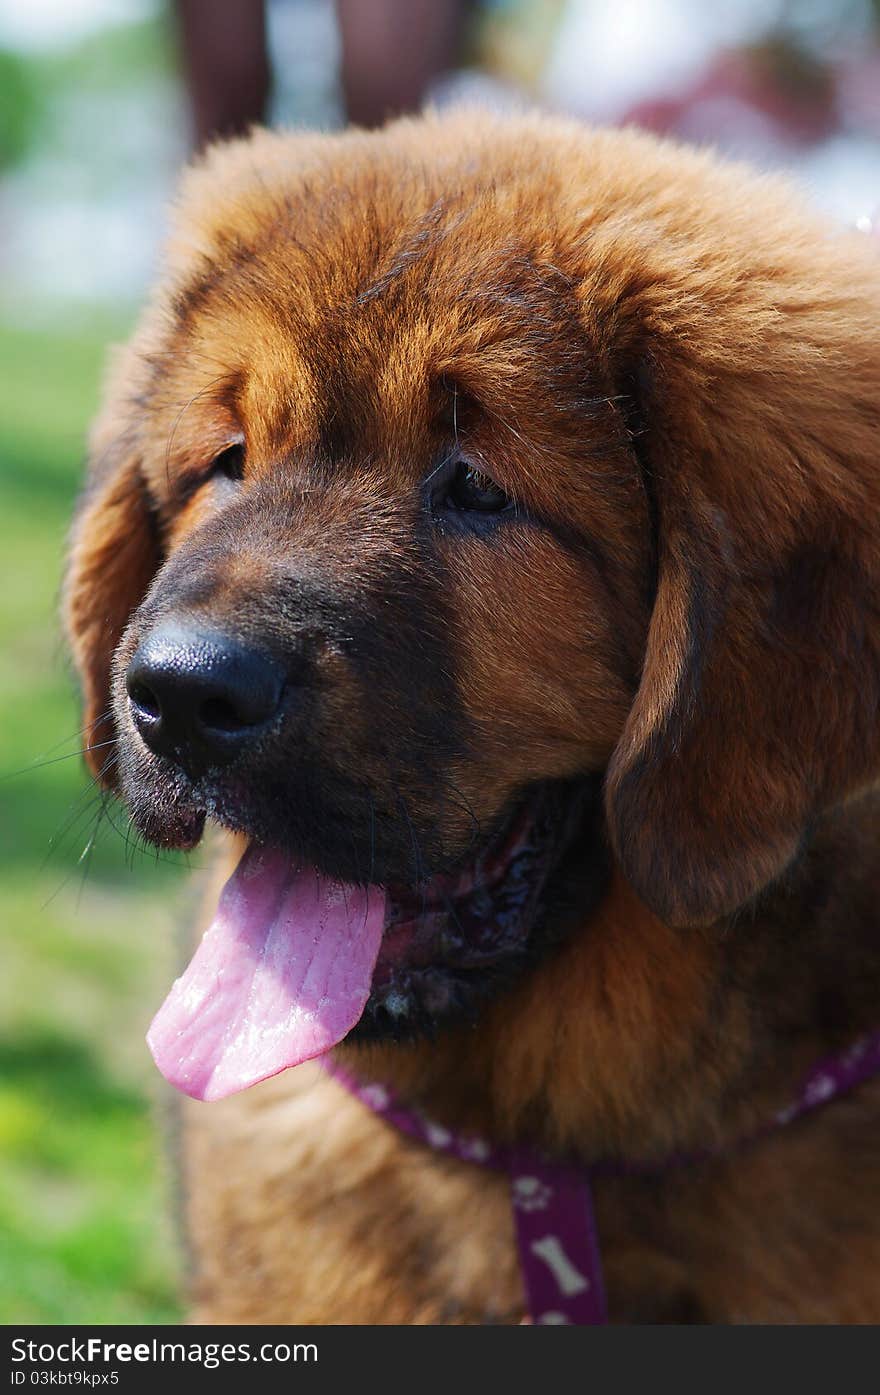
point(199, 697)
point(219, 715)
point(145, 700)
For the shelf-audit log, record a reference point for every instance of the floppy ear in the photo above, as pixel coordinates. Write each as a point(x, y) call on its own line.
point(758, 702)
point(114, 553)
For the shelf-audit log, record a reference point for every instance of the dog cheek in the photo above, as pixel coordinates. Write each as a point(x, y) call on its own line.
point(541, 680)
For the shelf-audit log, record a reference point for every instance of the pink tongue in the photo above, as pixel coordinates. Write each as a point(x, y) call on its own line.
point(281, 975)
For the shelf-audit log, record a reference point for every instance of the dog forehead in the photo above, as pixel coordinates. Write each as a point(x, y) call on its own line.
point(362, 314)
point(358, 194)
point(364, 280)
point(362, 236)
point(343, 295)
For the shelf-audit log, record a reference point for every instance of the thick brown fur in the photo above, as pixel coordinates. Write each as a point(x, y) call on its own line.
point(673, 366)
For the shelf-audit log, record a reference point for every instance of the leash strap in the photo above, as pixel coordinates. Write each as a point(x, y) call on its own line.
point(558, 1242)
point(552, 1202)
point(552, 1209)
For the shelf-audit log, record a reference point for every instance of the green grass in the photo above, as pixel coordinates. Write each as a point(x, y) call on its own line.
point(85, 1234)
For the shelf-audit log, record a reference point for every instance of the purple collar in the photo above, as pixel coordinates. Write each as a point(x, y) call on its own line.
point(553, 1202)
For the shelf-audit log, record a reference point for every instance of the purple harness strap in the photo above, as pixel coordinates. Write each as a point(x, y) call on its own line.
point(553, 1203)
point(552, 1208)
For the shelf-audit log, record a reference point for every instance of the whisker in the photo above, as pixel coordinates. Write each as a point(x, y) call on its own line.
point(55, 760)
point(76, 735)
point(462, 802)
point(418, 868)
point(221, 377)
point(421, 880)
point(85, 857)
point(443, 463)
point(100, 798)
point(79, 808)
point(140, 845)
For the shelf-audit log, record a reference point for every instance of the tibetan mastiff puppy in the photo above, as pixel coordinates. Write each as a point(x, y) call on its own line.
point(481, 536)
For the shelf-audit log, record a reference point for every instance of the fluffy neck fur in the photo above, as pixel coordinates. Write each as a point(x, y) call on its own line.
point(638, 1040)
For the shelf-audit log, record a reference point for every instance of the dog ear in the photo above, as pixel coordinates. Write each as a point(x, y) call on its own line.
point(113, 555)
point(757, 708)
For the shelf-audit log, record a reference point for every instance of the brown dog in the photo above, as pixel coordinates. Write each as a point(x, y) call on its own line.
point(486, 511)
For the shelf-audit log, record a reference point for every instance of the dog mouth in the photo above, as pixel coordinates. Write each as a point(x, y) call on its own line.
point(295, 961)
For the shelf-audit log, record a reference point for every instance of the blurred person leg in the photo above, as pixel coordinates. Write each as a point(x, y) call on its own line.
point(226, 65)
point(391, 52)
point(393, 49)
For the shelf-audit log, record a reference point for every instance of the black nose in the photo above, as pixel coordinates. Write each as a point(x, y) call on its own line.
point(201, 696)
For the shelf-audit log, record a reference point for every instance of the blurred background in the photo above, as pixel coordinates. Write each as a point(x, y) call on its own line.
point(100, 103)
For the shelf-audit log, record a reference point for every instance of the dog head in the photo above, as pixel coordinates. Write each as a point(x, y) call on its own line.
point(459, 472)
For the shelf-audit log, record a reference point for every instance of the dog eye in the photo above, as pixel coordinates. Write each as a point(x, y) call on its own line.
point(471, 489)
point(230, 462)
